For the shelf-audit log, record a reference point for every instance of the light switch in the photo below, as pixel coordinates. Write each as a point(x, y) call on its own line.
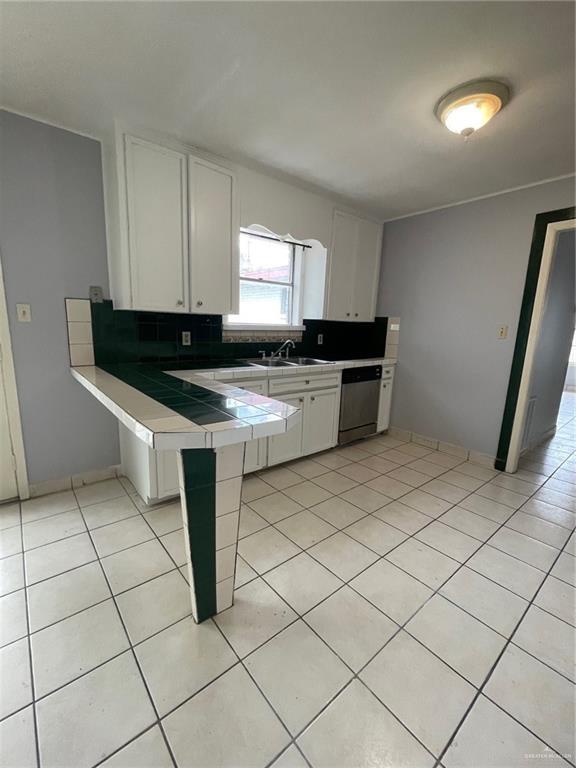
point(503, 332)
point(23, 313)
point(320, 338)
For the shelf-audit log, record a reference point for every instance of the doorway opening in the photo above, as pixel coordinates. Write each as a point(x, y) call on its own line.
point(543, 342)
point(13, 475)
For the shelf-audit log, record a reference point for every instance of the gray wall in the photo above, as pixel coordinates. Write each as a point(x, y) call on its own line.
point(52, 245)
point(553, 348)
point(453, 276)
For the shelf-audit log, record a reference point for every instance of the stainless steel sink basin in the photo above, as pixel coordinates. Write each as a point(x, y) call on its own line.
point(268, 362)
point(277, 362)
point(306, 361)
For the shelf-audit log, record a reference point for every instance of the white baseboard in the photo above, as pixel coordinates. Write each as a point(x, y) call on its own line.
point(425, 441)
point(74, 481)
point(400, 434)
point(453, 449)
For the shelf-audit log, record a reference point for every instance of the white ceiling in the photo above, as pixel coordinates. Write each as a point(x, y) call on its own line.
point(340, 95)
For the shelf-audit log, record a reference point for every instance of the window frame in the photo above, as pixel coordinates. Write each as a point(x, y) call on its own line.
point(293, 285)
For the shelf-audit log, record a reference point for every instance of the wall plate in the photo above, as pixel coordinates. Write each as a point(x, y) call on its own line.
point(24, 313)
point(96, 294)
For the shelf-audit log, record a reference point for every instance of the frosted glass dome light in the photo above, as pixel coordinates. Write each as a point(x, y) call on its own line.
point(469, 107)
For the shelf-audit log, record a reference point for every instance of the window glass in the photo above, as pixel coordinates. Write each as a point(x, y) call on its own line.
point(266, 281)
point(263, 259)
point(263, 303)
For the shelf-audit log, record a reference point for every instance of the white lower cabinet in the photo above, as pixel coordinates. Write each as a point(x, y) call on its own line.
point(167, 473)
point(256, 451)
point(154, 474)
point(255, 455)
point(316, 431)
point(288, 445)
point(385, 402)
point(320, 420)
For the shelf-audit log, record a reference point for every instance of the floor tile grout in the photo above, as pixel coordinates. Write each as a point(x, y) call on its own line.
point(433, 594)
point(135, 658)
point(401, 627)
point(30, 660)
point(499, 657)
point(345, 582)
point(513, 511)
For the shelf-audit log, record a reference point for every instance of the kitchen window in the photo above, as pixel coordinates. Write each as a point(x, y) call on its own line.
point(268, 286)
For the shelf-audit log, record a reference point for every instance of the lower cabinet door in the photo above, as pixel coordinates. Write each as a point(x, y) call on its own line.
point(288, 445)
point(384, 405)
point(320, 423)
point(256, 452)
point(255, 455)
point(167, 474)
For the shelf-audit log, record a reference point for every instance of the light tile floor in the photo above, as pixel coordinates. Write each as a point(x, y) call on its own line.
point(395, 606)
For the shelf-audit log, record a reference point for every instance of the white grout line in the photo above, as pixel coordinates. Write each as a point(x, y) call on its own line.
point(131, 648)
point(300, 617)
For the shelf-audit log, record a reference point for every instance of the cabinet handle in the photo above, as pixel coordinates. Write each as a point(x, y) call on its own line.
point(347, 314)
point(355, 314)
point(199, 303)
point(179, 303)
point(307, 381)
point(312, 399)
point(300, 399)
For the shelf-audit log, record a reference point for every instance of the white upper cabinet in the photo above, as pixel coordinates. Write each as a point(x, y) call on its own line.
point(341, 266)
point(367, 271)
point(156, 203)
point(354, 268)
point(214, 235)
point(179, 230)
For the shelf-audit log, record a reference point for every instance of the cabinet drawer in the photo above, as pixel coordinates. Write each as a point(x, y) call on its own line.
point(258, 386)
point(302, 383)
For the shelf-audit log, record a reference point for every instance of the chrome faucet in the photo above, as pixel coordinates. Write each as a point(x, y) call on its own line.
point(289, 344)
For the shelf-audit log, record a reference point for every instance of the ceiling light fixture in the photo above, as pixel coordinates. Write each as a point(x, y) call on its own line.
point(470, 106)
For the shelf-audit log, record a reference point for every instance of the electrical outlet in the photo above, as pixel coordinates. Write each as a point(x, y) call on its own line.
point(320, 338)
point(502, 331)
point(23, 313)
point(186, 340)
point(96, 294)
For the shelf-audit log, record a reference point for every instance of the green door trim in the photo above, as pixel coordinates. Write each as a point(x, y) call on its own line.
point(541, 223)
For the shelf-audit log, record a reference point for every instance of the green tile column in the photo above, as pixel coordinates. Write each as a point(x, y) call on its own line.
point(210, 491)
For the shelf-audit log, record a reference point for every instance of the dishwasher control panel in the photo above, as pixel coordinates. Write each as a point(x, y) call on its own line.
point(366, 373)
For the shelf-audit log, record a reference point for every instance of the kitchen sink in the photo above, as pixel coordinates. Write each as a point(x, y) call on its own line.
point(277, 362)
point(306, 361)
point(268, 362)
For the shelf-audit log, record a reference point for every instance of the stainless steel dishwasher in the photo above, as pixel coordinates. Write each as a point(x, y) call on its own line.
point(359, 402)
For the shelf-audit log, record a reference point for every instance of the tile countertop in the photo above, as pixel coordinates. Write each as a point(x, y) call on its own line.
point(260, 372)
point(192, 408)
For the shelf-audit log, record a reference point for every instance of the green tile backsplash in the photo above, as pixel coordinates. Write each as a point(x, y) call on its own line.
point(126, 336)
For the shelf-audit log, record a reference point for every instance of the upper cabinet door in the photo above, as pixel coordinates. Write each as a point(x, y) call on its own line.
point(157, 226)
point(214, 236)
point(342, 266)
point(367, 272)
point(354, 268)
